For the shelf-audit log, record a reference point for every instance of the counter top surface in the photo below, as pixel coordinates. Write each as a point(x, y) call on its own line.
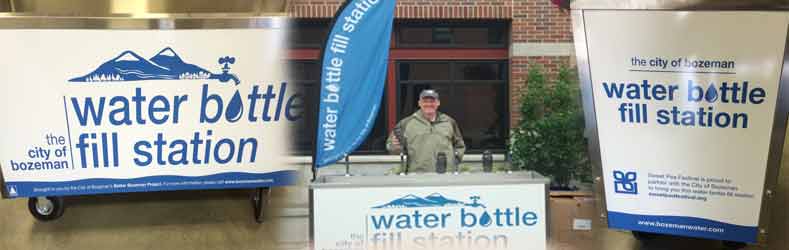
point(415, 180)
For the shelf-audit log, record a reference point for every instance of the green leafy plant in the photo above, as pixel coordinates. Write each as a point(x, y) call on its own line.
point(549, 139)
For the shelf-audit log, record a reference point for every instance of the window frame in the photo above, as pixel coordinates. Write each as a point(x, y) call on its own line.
point(312, 22)
point(438, 53)
point(302, 83)
point(421, 23)
point(505, 82)
point(382, 112)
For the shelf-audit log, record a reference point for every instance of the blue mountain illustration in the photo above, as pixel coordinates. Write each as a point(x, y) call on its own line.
point(433, 200)
point(166, 65)
point(438, 198)
point(169, 59)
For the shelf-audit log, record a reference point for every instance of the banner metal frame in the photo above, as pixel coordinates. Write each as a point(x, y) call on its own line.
point(778, 133)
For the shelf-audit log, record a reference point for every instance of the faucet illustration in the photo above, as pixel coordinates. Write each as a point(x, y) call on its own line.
point(226, 76)
point(476, 202)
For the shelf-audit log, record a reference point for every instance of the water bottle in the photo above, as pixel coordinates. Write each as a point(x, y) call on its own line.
point(398, 133)
point(403, 163)
point(441, 163)
point(487, 161)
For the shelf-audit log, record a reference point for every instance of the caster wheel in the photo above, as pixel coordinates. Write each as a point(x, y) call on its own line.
point(733, 245)
point(46, 208)
point(644, 236)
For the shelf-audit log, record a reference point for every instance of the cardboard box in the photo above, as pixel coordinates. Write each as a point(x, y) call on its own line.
point(573, 218)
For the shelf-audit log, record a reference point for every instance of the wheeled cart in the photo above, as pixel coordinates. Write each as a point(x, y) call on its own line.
point(143, 98)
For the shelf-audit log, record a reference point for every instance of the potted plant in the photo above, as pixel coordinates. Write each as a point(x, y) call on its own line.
point(550, 139)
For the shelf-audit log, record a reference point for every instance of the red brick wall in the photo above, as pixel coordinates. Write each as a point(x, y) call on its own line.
point(533, 21)
point(414, 9)
point(540, 21)
point(519, 67)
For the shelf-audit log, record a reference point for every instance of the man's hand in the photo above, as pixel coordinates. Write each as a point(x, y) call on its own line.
point(395, 142)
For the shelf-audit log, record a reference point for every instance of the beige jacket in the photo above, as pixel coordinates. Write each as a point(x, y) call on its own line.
point(426, 139)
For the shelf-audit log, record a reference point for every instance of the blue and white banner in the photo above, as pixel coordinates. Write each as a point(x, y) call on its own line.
point(506, 216)
point(685, 105)
point(106, 111)
point(353, 76)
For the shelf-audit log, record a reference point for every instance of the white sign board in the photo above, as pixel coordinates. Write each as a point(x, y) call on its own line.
point(105, 111)
point(436, 218)
point(685, 104)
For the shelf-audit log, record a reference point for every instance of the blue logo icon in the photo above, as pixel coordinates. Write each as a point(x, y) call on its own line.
point(625, 183)
point(165, 65)
point(433, 200)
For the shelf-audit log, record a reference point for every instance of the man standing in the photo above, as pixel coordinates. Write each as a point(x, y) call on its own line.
point(427, 133)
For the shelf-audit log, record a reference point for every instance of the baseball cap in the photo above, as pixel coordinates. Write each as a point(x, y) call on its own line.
point(428, 93)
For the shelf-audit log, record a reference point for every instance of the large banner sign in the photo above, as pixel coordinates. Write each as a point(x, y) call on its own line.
point(685, 103)
point(352, 77)
point(472, 217)
point(104, 111)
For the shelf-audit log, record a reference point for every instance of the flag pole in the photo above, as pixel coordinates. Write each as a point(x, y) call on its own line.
point(326, 40)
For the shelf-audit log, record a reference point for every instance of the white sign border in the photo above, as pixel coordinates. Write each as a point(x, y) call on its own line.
point(16, 21)
point(591, 130)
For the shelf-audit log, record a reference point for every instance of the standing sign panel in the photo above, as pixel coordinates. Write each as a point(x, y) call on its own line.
point(684, 103)
point(105, 111)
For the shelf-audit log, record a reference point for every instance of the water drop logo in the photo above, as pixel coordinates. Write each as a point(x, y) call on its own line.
point(333, 88)
point(712, 94)
point(485, 219)
point(235, 109)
